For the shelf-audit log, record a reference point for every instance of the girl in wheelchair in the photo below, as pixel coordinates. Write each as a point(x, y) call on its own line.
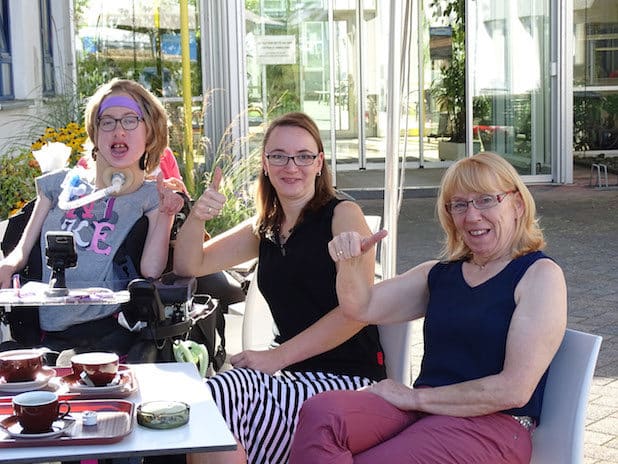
point(128, 127)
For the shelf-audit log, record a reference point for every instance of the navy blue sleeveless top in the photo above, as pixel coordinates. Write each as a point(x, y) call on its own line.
point(297, 280)
point(465, 327)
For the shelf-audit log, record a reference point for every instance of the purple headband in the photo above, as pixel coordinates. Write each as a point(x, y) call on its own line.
point(120, 100)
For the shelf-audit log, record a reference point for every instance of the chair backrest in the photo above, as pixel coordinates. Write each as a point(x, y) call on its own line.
point(258, 327)
point(3, 226)
point(559, 438)
point(395, 338)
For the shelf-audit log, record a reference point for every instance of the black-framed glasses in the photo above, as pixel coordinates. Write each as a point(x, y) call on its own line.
point(108, 124)
point(282, 159)
point(481, 202)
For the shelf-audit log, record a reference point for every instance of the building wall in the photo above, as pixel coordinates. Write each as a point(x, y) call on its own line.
point(27, 67)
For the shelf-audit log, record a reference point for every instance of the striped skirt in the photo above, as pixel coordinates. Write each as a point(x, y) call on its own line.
point(262, 410)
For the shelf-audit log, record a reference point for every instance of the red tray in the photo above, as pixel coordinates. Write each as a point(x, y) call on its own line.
point(59, 385)
point(114, 422)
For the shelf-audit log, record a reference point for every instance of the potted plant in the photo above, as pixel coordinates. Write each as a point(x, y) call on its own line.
point(450, 90)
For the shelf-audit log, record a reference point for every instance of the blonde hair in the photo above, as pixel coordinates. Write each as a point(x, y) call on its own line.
point(269, 213)
point(483, 173)
point(153, 113)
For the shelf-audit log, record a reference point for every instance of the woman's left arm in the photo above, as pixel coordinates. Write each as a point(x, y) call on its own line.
point(535, 333)
point(329, 331)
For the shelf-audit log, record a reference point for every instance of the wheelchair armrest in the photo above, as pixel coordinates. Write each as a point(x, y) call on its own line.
point(145, 303)
point(173, 288)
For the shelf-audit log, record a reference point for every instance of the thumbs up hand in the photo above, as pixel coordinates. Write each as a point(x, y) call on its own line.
point(211, 202)
point(348, 245)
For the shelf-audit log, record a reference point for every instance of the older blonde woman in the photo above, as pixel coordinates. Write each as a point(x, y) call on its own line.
point(495, 314)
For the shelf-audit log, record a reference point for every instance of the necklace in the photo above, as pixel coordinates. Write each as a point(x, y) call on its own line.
point(283, 236)
point(482, 267)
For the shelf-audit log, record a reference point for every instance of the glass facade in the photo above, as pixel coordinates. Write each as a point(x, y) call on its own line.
point(329, 58)
point(595, 76)
point(510, 71)
point(325, 61)
point(140, 40)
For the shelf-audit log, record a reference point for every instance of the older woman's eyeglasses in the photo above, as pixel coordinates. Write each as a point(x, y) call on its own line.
point(282, 159)
point(481, 202)
point(108, 124)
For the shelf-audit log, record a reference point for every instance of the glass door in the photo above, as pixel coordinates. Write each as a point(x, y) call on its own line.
point(323, 57)
point(510, 69)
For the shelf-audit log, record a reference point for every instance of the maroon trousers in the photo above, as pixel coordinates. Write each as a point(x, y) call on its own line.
point(342, 427)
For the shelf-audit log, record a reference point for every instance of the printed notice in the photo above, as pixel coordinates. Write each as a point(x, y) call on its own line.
point(276, 49)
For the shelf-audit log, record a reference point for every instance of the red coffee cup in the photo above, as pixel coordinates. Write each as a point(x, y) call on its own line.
point(101, 368)
point(20, 365)
point(36, 411)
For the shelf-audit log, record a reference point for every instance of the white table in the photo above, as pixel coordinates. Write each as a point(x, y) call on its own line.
point(206, 430)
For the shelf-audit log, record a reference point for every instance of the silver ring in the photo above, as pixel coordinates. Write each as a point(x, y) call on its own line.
point(209, 210)
point(339, 253)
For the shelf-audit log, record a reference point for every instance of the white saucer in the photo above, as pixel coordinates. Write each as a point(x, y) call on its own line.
point(42, 379)
point(88, 390)
point(11, 426)
point(121, 383)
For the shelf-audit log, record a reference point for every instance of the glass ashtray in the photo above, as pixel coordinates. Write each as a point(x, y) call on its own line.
point(163, 414)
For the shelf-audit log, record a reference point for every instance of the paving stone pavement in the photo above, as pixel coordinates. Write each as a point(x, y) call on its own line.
point(581, 229)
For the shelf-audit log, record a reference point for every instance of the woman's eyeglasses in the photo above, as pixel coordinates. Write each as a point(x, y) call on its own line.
point(481, 202)
point(282, 159)
point(108, 124)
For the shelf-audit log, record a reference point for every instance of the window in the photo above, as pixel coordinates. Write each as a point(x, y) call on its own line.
point(46, 48)
point(6, 75)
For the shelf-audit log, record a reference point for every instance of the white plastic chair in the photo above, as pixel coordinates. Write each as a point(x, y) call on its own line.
point(258, 328)
point(560, 436)
point(395, 338)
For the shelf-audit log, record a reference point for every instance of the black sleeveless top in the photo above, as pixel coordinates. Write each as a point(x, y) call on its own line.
point(297, 280)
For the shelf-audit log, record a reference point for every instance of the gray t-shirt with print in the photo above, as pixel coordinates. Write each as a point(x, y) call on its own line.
point(99, 229)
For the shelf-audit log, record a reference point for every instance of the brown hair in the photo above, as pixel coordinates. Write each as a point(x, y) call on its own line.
point(155, 117)
point(482, 173)
point(269, 213)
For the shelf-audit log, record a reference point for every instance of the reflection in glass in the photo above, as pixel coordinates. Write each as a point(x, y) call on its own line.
point(595, 74)
point(511, 83)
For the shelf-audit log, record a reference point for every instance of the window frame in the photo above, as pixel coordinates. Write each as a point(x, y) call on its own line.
point(7, 90)
point(47, 52)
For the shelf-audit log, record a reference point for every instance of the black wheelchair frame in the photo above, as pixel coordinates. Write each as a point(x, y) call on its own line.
point(169, 307)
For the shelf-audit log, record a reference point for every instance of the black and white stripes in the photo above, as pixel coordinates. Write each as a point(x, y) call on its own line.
point(262, 410)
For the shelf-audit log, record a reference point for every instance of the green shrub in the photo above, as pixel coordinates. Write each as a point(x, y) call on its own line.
point(17, 174)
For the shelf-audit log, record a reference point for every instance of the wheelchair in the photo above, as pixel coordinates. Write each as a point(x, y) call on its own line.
point(168, 309)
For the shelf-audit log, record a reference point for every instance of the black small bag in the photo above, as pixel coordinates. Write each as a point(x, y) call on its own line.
point(209, 330)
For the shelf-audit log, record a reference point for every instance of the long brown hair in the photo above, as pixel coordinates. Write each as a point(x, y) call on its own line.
point(482, 173)
point(155, 117)
point(269, 212)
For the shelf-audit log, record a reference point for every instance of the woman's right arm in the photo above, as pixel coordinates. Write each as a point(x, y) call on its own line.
point(17, 259)
point(401, 298)
point(193, 256)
